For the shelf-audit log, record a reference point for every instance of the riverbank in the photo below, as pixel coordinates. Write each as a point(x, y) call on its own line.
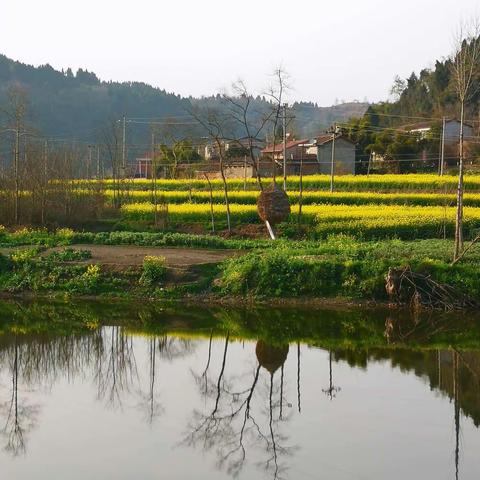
point(329, 326)
point(173, 266)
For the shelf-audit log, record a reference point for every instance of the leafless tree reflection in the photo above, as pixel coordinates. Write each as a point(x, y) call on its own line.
point(172, 348)
point(331, 391)
point(148, 400)
point(115, 366)
point(167, 348)
point(20, 417)
point(232, 426)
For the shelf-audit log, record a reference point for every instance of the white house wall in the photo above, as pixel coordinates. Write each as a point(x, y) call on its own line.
point(344, 157)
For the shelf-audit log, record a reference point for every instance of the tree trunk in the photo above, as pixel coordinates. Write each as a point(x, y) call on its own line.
point(225, 191)
point(459, 213)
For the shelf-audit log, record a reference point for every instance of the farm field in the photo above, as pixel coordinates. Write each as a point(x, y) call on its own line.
point(308, 197)
point(379, 183)
point(376, 206)
point(332, 244)
point(371, 220)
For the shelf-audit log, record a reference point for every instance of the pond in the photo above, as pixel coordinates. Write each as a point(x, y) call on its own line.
point(122, 391)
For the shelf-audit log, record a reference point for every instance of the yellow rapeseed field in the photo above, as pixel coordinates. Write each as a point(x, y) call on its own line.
point(371, 219)
point(308, 197)
point(396, 182)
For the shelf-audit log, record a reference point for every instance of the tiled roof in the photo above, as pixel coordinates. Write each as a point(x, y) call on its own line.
point(279, 147)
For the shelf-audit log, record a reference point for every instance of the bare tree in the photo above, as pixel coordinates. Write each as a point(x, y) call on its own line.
point(276, 93)
point(251, 123)
point(111, 136)
point(216, 125)
point(15, 112)
point(465, 66)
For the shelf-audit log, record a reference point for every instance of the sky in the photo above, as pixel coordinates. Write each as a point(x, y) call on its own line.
point(333, 51)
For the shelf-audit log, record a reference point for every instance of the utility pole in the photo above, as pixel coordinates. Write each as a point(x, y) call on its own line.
point(285, 147)
point(332, 165)
point(89, 164)
point(124, 157)
point(45, 180)
point(45, 161)
point(154, 181)
point(442, 149)
point(15, 174)
point(98, 162)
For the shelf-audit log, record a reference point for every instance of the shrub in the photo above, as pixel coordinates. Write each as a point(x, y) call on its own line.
point(20, 257)
point(64, 236)
point(5, 263)
point(154, 270)
point(86, 283)
point(70, 255)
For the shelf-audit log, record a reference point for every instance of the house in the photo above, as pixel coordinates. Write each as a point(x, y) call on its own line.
point(452, 130)
point(344, 155)
point(314, 155)
point(296, 154)
point(230, 146)
point(143, 166)
point(237, 161)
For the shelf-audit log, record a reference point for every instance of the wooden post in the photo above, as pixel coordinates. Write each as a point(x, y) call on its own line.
point(332, 166)
point(244, 173)
point(270, 230)
point(300, 187)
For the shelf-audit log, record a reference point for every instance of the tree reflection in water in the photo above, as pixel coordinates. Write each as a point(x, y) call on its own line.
point(41, 360)
point(331, 391)
point(244, 414)
point(115, 367)
point(232, 426)
point(168, 348)
point(20, 417)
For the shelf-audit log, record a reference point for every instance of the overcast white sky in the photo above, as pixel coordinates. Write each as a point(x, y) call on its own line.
point(348, 49)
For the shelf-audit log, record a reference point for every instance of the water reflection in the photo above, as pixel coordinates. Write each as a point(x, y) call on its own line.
point(20, 416)
point(237, 417)
point(239, 406)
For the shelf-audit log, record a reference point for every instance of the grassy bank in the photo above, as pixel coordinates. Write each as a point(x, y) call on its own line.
point(340, 266)
point(345, 267)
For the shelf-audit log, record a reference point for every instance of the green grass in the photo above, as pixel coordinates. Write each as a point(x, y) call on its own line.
point(345, 267)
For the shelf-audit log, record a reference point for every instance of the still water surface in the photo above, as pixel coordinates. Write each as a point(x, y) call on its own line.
point(114, 402)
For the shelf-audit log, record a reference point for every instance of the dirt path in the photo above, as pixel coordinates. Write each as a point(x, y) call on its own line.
point(130, 255)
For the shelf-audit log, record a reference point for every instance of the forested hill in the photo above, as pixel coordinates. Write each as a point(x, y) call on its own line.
point(430, 93)
point(79, 104)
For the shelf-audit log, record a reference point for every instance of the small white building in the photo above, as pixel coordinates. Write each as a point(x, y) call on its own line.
point(452, 130)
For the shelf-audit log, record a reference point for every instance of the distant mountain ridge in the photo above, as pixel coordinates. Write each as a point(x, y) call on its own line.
point(79, 105)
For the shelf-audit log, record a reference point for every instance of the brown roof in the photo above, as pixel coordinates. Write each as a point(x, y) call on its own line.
point(279, 147)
